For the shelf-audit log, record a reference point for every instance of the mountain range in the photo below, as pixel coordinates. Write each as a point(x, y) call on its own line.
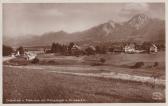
point(139, 28)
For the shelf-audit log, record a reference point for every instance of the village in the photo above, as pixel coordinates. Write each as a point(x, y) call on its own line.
point(29, 53)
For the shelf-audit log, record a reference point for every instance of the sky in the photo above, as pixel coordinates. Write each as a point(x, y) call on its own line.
point(22, 19)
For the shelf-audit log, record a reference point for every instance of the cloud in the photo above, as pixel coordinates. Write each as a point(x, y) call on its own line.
point(37, 18)
point(134, 8)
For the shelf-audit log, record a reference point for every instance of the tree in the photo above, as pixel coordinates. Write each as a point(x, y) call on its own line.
point(21, 50)
point(102, 60)
point(7, 50)
point(89, 51)
point(70, 47)
point(98, 50)
point(146, 46)
point(53, 48)
point(60, 48)
point(103, 50)
point(63, 49)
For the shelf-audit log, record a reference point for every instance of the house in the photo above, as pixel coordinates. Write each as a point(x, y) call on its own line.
point(153, 48)
point(29, 56)
point(92, 47)
point(17, 53)
point(129, 48)
point(76, 49)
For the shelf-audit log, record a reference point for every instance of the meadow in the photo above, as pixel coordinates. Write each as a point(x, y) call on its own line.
point(71, 79)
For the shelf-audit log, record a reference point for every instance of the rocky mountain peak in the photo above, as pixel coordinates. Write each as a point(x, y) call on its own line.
point(138, 20)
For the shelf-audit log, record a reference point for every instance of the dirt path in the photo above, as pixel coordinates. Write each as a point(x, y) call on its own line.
point(8, 58)
point(112, 75)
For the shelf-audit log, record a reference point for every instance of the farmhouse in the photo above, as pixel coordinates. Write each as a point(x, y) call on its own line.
point(76, 50)
point(29, 56)
point(153, 48)
point(17, 53)
point(92, 48)
point(129, 48)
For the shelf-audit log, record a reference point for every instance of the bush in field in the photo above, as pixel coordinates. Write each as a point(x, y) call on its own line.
point(99, 63)
point(155, 64)
point(51, 62)
point(102, 60)
point(138, 65)
point(7, 50)
point(35, 61)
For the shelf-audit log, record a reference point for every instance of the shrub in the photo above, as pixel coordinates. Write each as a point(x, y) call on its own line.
point(35, 61)
point(155, 64)
point(96, 64)
point(138, 65)
point(51, 62)
point(102, 60)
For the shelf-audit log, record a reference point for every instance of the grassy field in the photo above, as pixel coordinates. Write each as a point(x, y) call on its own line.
point(39, 82)
point(121, 63)
point(25, 85)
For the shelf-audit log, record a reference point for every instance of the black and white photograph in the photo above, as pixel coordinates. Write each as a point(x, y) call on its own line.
point(83, 52)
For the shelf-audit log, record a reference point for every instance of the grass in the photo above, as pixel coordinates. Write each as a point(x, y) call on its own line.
point(38, 85)
point(118, 63)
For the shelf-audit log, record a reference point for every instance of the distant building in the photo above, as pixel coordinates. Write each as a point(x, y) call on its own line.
point(29, 56)
point(76, 49)
point(153, 48)
point(25, 53)
point(92, 47)
point(129, 48)
point(17, 53)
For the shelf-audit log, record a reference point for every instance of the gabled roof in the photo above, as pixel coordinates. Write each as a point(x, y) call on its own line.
point(153, 45)
point(76, 46)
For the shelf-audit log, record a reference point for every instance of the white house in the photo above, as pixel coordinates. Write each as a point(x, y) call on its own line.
point(17, 53)
point(129, 48)
point(92, 47)
point(29, 56)
point(153, 48)
point(76, 49)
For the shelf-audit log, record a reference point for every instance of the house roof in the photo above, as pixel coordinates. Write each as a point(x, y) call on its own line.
point(153, 45)
point(76, 46)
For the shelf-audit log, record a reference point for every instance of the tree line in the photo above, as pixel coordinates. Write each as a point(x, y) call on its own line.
point(99, 49)
point(8, 50)
point(67, 49)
